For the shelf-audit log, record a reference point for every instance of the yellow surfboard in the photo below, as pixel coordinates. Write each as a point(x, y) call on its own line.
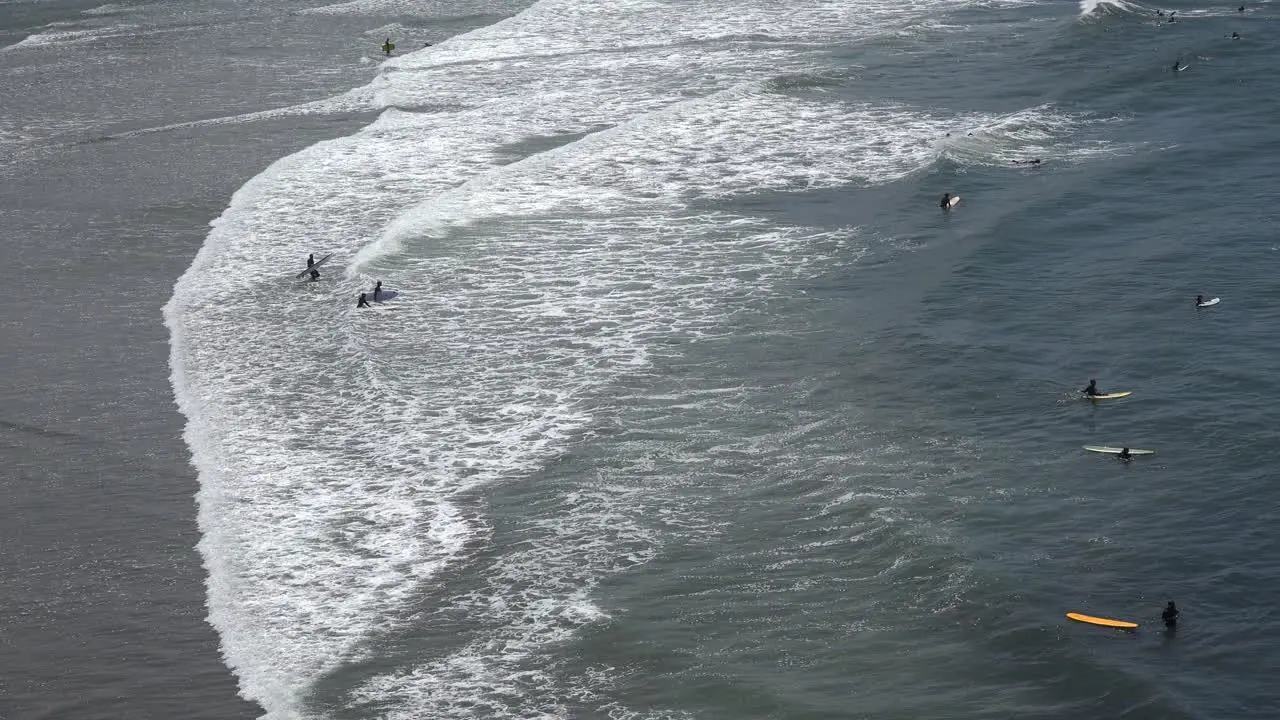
point(1122, 624)
point(1110, 396)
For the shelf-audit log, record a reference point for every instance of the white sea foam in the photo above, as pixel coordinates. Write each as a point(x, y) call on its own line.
point(543, 199)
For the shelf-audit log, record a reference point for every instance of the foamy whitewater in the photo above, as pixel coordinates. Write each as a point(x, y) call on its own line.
point(542, 193)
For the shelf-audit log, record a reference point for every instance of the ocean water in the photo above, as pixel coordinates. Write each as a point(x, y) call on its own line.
point(692, 404)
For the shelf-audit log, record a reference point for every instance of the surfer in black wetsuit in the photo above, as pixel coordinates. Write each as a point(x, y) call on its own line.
point(1199, 300)
point(1027, 162)
point(377, 291)
point(388, 46)
point(311, 260)
point(1170, 616)
point(1235, 36)
point(946, 201)
point(1125, 455)
point(362, 302)
point(1240, 9)
point(1092, 390)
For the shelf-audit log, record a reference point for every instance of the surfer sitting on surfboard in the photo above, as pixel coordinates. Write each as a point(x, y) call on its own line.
point(1092, 389)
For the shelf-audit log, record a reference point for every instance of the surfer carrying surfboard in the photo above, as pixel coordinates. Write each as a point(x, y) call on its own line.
point(311, 260)
point(377, 290)
point(946, 201)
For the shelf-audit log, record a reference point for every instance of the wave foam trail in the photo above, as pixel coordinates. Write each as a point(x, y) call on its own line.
point(550, 223)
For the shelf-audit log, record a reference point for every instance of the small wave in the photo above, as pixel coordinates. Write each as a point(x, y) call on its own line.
point(64, 37)
point(108, 9)
point(1099, 8)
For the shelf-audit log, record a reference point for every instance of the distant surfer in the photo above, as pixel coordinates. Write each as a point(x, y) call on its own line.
point(1170, 616)
point(1092, 390)
point(362, 302)
point(388, 46)
point(1125, 455)
point(1199, 301)
point(1240, 9)
point(1178, 66)
point(946, 201)
point(311, 260)
point(377, 291)
point(1235, 36)
point(1027, 162)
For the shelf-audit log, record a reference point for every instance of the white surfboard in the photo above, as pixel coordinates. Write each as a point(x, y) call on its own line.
point(315, 265)
point(382, 296)
point(1116, 450)
point(1181, 68)
point(955, 200)
point(1209, 303)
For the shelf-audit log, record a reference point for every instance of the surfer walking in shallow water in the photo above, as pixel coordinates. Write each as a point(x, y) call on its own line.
point(388, 46)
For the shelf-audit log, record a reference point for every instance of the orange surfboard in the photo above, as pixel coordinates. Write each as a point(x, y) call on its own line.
point(1105, 622)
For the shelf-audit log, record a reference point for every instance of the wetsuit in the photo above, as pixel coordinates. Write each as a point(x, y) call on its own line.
point(1170, 616)
point(363, 302)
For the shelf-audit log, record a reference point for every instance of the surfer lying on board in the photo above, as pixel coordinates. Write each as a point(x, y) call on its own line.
point(362, 302)
point(946, 201)
point(1092, 389)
